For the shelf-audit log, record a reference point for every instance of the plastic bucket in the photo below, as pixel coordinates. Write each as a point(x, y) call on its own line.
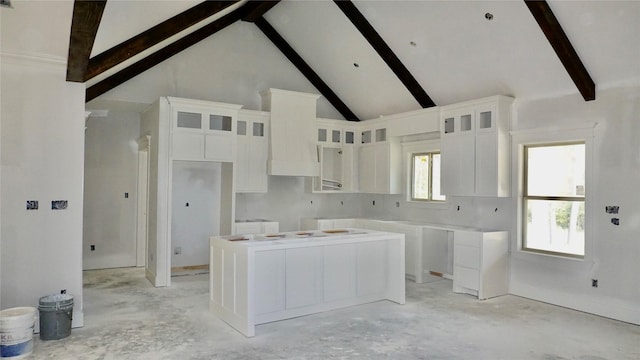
point(56, 313)
point(16, 332)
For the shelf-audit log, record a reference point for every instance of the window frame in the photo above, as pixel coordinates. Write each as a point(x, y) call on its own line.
point(526, 197)
point(410, 190)
point(415, 147)
point(549, 136)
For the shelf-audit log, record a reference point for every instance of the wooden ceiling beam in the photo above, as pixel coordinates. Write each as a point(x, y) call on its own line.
point(143, 41)
point(259, 8)
point(552, 29)
point(305, 69)
point(84, 27)
point(385, 52)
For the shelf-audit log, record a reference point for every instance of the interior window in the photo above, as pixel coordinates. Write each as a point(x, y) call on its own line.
point(425, 175)
point(554, 199)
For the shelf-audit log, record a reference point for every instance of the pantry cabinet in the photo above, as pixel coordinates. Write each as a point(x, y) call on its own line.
point(252, 139)
point(475, 147)
point(203, 130)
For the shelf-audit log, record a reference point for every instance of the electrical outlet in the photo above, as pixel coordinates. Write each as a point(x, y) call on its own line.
point(177, 251)
point(594, 282)
point(92, 247)
point(126, 195)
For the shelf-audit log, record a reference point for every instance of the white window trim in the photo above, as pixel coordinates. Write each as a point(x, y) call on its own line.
point(521, 138)
point(408, 149)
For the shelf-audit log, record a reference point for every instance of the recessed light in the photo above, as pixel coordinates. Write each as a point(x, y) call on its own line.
point(488, 16)
point(356, 65)
point(413, 43)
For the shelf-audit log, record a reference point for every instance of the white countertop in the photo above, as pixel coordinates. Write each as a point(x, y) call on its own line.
point(297, 237)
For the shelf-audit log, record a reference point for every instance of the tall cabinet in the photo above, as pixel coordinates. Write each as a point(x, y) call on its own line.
point(252, 149)
point(475, 147)
point(184, 130)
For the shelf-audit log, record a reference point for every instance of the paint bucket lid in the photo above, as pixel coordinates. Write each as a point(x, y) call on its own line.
point(17, 316)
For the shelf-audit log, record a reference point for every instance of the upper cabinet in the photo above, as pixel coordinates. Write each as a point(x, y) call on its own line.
point(202, 130)
point(252, 148)
point(475, 147)
point(379, 160)
point(336, 146)
point(293, 148)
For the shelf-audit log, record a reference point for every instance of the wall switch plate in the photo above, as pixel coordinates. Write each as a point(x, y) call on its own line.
point(594, 282)
point(32, 204)
point(59, 204)
point(615, 221)
point(92, 247)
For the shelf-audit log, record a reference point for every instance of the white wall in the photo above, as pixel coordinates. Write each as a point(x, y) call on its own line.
point(42, 159)
point(615, 258)
point(111, 160)
point(196, 183)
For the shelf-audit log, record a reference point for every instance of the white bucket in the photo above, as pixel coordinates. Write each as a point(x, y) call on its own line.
point(16, 332)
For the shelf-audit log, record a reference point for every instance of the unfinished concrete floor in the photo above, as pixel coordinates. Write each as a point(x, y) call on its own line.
point(126, 318)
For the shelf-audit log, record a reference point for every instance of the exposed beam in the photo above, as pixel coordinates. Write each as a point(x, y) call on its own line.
point(163, 54)
point(261, 8)
point(304, 68)
point(135, 45)
point(563, 48)
point(385, 52)
point(84, 27)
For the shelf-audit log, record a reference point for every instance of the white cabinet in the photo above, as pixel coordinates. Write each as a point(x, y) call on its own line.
point(252, 139)
point(256, 227)
point(292, 145)
point(325, 224)
point(480, 261)
point(475, 147)
point(337, 156)
point(380, 168)
point(203, 130)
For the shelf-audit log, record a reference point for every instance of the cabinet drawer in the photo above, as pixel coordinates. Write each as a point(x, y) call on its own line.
point(468, 238)
point(467, 256)
point(465, 277)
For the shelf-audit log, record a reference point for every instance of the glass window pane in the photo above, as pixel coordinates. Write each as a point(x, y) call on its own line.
point(189, 120)
point(219, 122)
point(555, 226)
point(258, 129)
point(420, 188)
point(242, 128)
point(435, 178)
point(556, 170)
point(322, 135)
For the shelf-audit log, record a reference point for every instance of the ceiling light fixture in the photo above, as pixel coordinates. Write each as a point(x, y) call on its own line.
point(488, 16)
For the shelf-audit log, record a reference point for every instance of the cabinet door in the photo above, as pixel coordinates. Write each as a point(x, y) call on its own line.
point(349, 173)
point(187, 146)
point(382, 169)
point(258, 156)
point(367, 169)
point(303, 276)
point(219, 147)
point(372, 267)
point(242, 163)
point(339, 272)
point(458, 165)
point(269, 281)
point(486, 165)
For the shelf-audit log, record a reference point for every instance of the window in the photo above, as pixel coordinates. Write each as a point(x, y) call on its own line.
point(425, 177)
point(554, 199)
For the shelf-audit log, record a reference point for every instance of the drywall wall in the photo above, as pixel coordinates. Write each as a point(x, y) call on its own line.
point(287, 202)
point(110, 190)
point(195, 211)
point(42, 131)
point(615, 249)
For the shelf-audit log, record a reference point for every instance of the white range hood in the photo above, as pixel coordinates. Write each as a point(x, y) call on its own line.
point(293, 150)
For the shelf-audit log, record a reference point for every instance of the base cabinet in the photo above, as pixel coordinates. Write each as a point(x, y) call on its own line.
point(480, 261)
point(256, 282)
point(256, 227)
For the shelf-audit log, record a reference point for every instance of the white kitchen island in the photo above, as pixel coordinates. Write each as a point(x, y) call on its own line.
point(256, 279)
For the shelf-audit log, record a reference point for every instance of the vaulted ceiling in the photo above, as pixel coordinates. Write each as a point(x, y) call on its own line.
point(368, 58)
